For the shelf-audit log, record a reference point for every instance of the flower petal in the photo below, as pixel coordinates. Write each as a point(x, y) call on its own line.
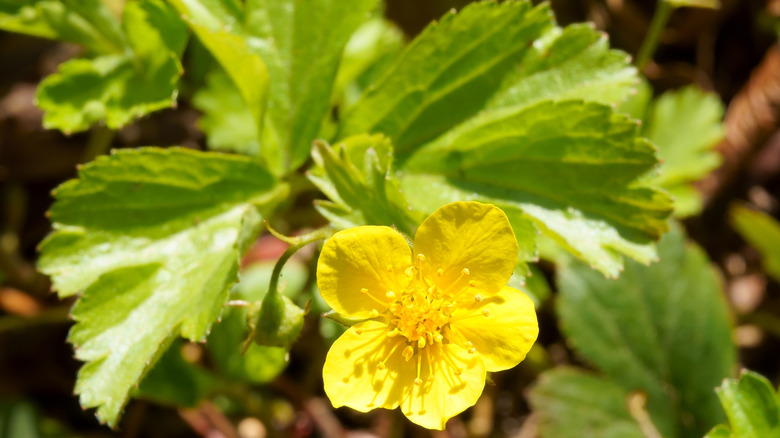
point(472, 236)
point(502, 328)
point(369, 257)
point(458, 380)
point(351, 374)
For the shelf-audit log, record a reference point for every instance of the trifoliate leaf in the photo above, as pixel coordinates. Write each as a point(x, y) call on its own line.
point(121, 87)
point(762, 232)
point(85, 22)
point(152, 238)
point(685, 125)
point(571, 63)
point(356, 175)
point(570, 167)
point(573, 403)
point(448, 72)
point(662, 330)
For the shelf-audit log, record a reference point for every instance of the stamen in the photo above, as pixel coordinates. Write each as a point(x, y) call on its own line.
point(393, 332)
point(374, 313)
point(417, 380)
point(486, 312)
point(421, 343)
point(408, 352)
point(389, 268)
point(390, 294)
point(465, 271)
point(439, 272)
point(472, 350)
point(381, 365)
point(420, 257)
point(478, 298)
point(364, 291)
point(430, 365)
point(359, 331)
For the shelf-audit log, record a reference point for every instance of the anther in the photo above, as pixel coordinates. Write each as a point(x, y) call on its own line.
point(374, 313)
point(389, 268)
point(420, 257)
point(417, 381)
point(364, 291)
point(408, 352)
point(380, 366)
point(390, 294)
point(486, 312)
point(421, 343)
point(465, 271)
point(478, 298)
point(458, 371)
point(472, 350)
point(393, 332)
point(439, 272)
point(359, 331)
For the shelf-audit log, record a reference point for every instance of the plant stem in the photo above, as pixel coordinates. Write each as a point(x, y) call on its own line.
point(296, 243)
point(99, 142)
point(661, 17)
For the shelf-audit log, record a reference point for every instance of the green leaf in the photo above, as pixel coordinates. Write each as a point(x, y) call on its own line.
point(370, 50)
point(259, 364)
point(572, 168)
point(685, 125)
point(719, 432)
point(751, 405)
point(218, 25)
point(571, 63)
point(762, 232)
point(356, 175)
point(176, 382)
point(448, 72)
point(664, 330)
point(85, 22)
point(121, 87)
point(226, 120)
point(572, 403)
point(302, 44)
point(153, 239)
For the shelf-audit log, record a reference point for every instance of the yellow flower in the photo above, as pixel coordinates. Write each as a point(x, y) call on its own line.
point(439, 314)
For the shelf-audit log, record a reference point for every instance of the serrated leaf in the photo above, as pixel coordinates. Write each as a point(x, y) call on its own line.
point(152, 238)
point(356, 175)
point(572, 168)
point(85, 22)
point(121, 87)
point(685, 125)
point(571, 63)
point(302, 44)
point(218, 25)
point(751, 405)
point(663, 330)
point(176, 382)
point(572, 403)
point(226, 120)
point(448, 72)
point(762, 232)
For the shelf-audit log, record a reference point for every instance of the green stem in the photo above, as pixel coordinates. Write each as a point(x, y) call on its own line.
point(98, 144)
point(661, 17)
point(296, 243)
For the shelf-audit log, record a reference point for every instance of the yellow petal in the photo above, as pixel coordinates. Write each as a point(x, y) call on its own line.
point(458, 380)
point(371, 258)
point(469, 242)
point(502, 328)
point(351, 373)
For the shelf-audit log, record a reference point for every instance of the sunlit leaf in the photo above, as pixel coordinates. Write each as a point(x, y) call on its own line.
point(571, 168)
point(152, 239)
point(448, 72)
point(118, 88)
